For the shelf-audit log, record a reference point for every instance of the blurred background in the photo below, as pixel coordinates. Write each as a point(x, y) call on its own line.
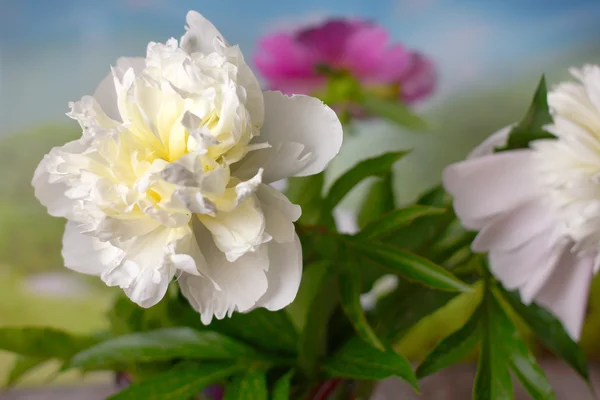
point(488, 55)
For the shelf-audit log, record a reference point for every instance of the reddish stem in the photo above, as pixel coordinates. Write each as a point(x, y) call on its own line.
point(325, 389)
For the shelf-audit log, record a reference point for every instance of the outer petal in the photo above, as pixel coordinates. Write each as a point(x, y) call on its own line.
point(228, 286)
point(47, 180)
point(487, 186)
point(201, 36)
point(106, 93)
point(87, 254)
point(566, 292)
point(284, 274)
point(279, 213)
point(491, 143)
point(520, 267)
point(304, 135)
point(511, 230)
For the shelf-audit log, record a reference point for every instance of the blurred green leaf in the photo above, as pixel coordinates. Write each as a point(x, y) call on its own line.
point(43, 342)
point(312, 344)
point(492, 381)
point(411, 266)
point(393, 110)
point(268, 330)
point(350, 291)
point(180, 383)
point(312, 277)
point(163, 344)
point(396, 219)
point(550, 331)
point(452, 348)
point(251, 385)
point(281, 390)
point(307, 193)
point(399, 311)
point(379, 200)
point(359, 360)
point(532, 125)
point(21, 367)
point(527, 370)
point(376, 166)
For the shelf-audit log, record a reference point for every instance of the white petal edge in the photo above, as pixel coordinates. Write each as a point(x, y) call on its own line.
point(565, 293)
point(304, 135)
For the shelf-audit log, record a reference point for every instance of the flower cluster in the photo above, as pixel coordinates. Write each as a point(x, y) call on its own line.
point(170, 177)
point(300, 62)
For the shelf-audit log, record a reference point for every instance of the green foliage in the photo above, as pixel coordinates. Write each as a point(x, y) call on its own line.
point(392, 221)
point(160, 345)
point(376, 166)
point(532, 125)
point(550, 331)
point(180, 383)
point(22, 366)
point(350, 290)
point(391, 110)
point(251, 385)
point(379, 200)
point(359, 360)
point(43, 342)
point(281, 390)
point(411, 266)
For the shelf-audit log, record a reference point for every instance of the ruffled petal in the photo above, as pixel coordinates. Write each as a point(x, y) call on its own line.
point(201, 36)
point(303, 133)
point(227, 286)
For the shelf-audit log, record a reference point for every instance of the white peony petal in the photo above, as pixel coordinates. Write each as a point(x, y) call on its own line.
point(201, 36)
point(519, 266)
point(284, 274)
point(87, 254)
point(565, 293)
point(238, 231)
point(233, 286)
point(279, 212)
point(489, 145)
point(485, 187)
point(304, 135)
point(106, 94)
point(510, 230)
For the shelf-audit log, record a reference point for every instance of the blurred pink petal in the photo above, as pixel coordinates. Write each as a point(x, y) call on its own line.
point(365, 51)
point(419, 80)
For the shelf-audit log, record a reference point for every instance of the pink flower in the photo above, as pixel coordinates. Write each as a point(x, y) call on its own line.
point(294, 62)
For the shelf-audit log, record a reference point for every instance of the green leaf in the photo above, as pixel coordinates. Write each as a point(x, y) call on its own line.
point(522, 362)
point(376, 166)
point(532, 126)
point(411, 266)
point(379, 200)
point(396, 219)
point(307, 193)
point(350, 290)
point(42, 342)
point(359, 360)
point(399, 311)
point(252, 385)
point(261, 328)
point(493, 380)
point(281, 390)
point(452, 348)
point(529, 373)
point(392, 110)
point(550, 331)
point(312, 344)
point(159, 345)
point(180, 383)
point(21, 367)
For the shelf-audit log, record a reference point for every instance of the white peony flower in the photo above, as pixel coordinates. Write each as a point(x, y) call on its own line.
point(538, 209)
point(170, 177)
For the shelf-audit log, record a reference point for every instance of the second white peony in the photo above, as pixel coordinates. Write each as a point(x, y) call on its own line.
point(170, 177)
point(538, 209)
